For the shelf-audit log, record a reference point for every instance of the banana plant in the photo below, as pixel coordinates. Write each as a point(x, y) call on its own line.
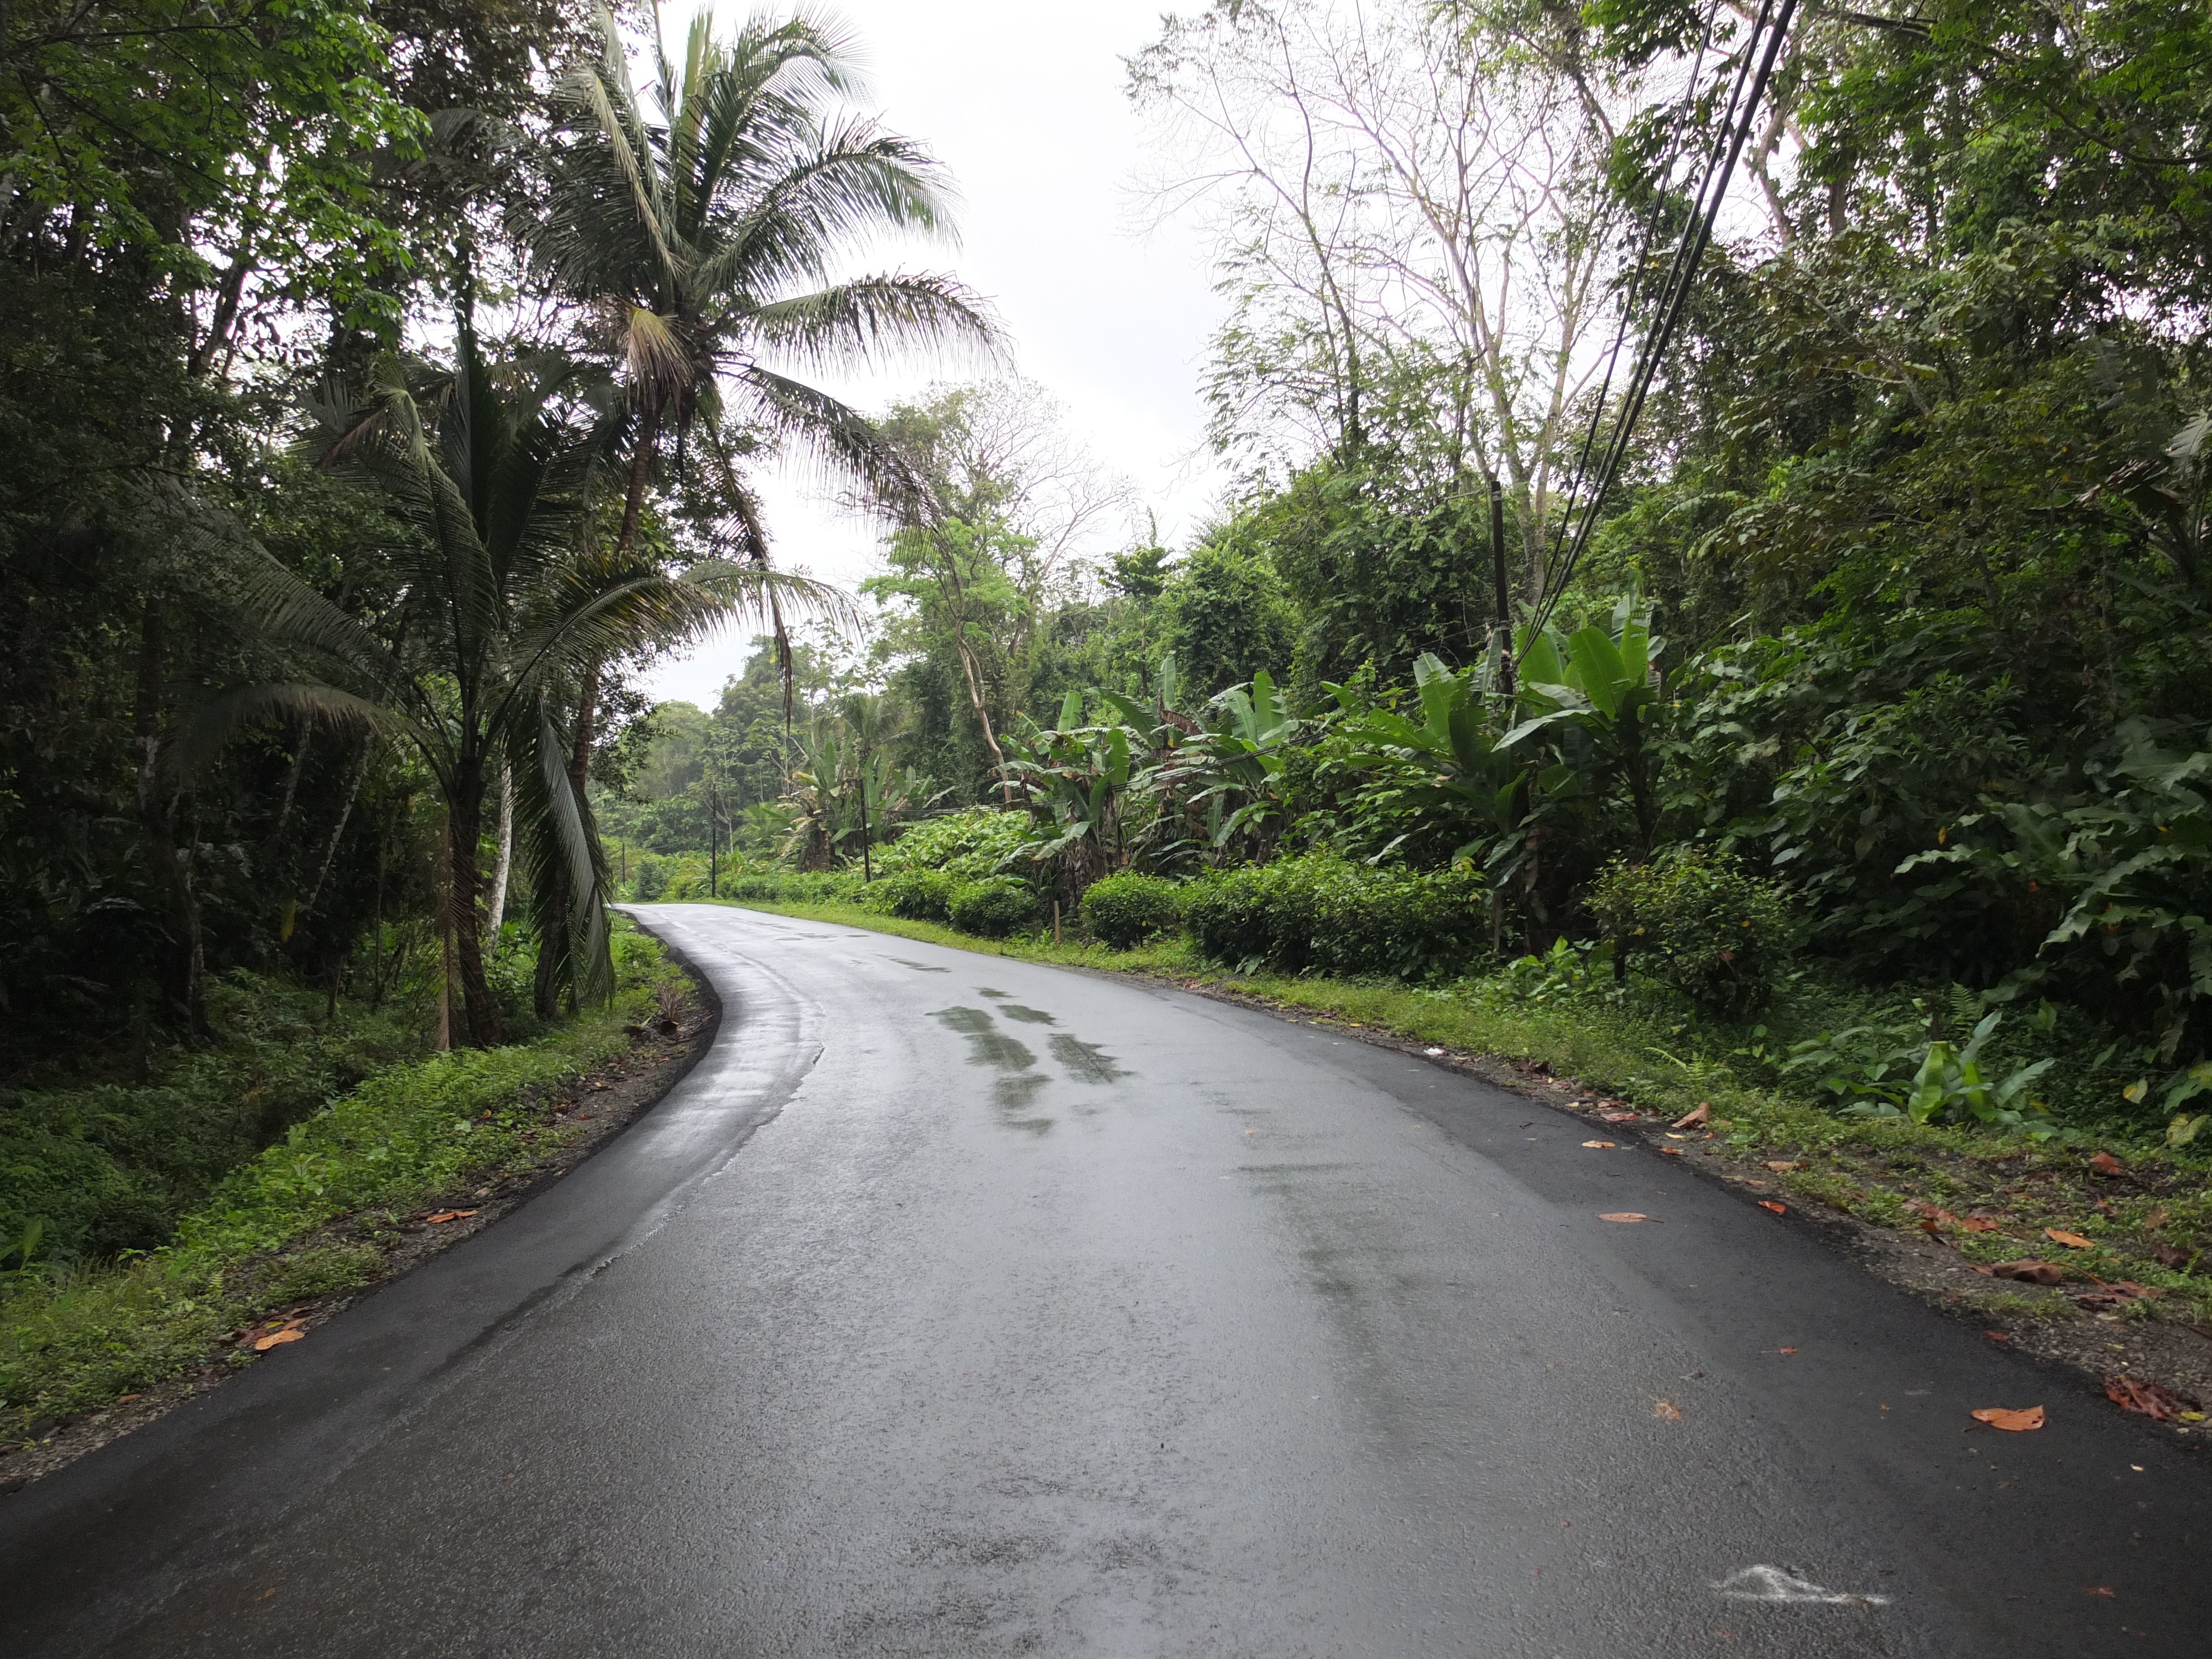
point(1597, 693)
point(1451, 756)
point(1075, 779)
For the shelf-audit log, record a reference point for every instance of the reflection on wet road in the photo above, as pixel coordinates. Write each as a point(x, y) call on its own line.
point(960, 1307)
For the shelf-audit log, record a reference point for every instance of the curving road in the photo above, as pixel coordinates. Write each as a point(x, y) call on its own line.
point(957, 1307)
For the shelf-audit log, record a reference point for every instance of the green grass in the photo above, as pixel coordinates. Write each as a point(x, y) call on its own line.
point(1873, 1168)
point(74, 1338)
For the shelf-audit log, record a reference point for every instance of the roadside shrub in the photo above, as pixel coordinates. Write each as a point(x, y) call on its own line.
point(1125, 910)
point(1322, 913)
point(967, 845)
point(789, 887)
point(1708, 927)
point(651, 880)
point(916, 895)
point(993, 907)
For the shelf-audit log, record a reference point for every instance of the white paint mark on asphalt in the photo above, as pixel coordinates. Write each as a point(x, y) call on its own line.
point(1771, 1584)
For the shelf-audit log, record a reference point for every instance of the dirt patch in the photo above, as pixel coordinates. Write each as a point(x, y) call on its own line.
point(320, 1275)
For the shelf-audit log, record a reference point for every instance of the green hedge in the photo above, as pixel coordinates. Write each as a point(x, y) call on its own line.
point(1321, 913)
point(1125, 911)
point(995, 907)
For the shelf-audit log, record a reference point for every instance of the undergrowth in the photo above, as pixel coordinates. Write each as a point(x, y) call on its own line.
point(75, 1336)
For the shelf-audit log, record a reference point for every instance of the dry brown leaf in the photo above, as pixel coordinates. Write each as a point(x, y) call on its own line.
point(1785, 1350)
point(2132, 1393)
point(2168, 1256)
point(1780, 1164)
point(1702, 1113)
point(1670, 1152)
point(2071, 1241)
point(1622, 1215)
point(2098, 1589)
point(1602, 1145)
point(290, 1333)
point(1667, 1411)
point(2030, 1272)
point(1769, 1203)
point(444, 1216)
point(1998, 1336)
point(2105, 1164)
point(1976, 1223)
point(2014, 1422)
point(125, 1399)
point(1618, 1117)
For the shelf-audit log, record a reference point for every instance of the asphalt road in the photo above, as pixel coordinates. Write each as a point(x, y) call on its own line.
point(957, 1307)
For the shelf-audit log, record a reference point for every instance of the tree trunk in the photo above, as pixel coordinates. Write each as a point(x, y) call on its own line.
point(188, 974)
point(503, 864)
point(464, 823)
point(337, 831)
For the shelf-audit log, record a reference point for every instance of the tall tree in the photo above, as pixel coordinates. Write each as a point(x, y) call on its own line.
point(488, 466)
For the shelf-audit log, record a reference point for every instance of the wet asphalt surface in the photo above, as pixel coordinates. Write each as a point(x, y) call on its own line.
point(955, 1306)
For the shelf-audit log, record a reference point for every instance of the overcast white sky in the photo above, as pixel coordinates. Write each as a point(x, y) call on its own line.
point(1022, 103)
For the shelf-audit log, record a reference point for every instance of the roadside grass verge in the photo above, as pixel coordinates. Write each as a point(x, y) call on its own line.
point(1995, 1197)
point(81, 1337)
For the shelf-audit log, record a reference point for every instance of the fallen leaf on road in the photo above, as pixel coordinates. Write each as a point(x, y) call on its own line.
point(2030, 1272)
point(444, 1216)
point(1703, 1112)
point(1670, 1152)
point(263, 1344)
point(1618, 1117)
point(2132, 1393)
point(1998, 1336)
point(1667, 1412)
point(2105, 1164)
point(2071, 1241)
point(1780, 1163)
point(1785, 1350)
point(1622, 1215)
point(2168, 1256)
point(2098, 1589)
point(1977, 1224)
point(1602, 1145)
point(1769, 1203)
point(125, 1399)
point(2015, 1422)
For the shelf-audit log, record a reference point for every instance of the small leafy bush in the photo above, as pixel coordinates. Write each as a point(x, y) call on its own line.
point(968, 846)
point(994, 908)
point(789, 887)
point(1930, 1081)
point(651, 880)
point(1708, 927)
point(1319, 913)
point(917, 895)
point(1124, 911)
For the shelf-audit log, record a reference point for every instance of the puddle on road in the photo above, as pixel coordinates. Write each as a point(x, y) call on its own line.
point(918, 967)
point(1014, 1093)
point(989, 992)
point(1087, 1062)
point(1027, 1016)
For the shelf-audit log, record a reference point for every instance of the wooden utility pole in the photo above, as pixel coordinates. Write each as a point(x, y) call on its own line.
point(1499, 581)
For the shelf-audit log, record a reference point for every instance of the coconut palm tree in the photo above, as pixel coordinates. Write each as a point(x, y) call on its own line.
point(700, 225)
point(504, 601)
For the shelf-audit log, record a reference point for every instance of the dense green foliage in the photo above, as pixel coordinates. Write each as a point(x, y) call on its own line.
point(338, 525)
point(1889, 640)
point(1126, 909)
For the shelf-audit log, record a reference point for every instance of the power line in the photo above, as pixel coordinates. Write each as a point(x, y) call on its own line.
point(1733, 132)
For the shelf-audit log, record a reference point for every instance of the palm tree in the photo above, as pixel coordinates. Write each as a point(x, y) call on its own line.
point(503, 605)
point(700, 226)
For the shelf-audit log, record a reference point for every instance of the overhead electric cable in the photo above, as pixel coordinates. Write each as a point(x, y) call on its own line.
point(1639, 272)
point(1733, 132)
